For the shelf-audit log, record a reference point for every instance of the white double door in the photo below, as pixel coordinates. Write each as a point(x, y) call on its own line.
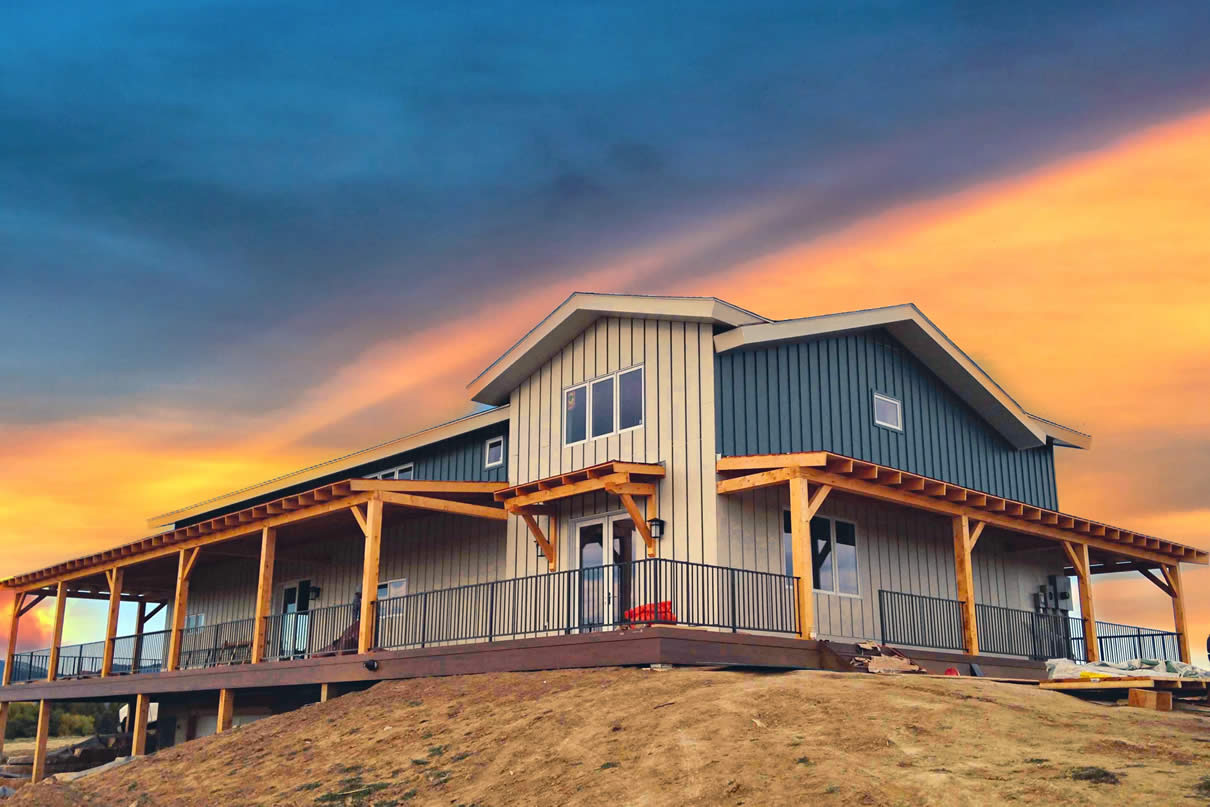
point(606, 551)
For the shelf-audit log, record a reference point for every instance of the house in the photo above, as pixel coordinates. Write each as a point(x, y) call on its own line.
point(648, 479)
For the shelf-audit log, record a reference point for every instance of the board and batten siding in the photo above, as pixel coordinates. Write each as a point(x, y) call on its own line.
point(898, 549)
point(677, 431)
point(432, 552)
point(817, 395)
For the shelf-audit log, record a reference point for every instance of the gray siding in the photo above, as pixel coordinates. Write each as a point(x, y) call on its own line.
point(817, 395)
point(898, 549)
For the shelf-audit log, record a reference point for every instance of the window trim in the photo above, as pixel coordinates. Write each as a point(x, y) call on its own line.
point(832, 521)
point(587, 385)
point(487, 452)
point(394, 472)
point(387, 583)
point(198, 620)
point(889, 399)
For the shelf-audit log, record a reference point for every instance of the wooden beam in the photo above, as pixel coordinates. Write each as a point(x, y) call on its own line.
point(976, 531)
point(1172, 576)
point(964, 572)
point(41, 734)
point(14, 622)
point(1077, 554)
point(31, 603)
point(445, 506)
point(325, 692)
point(633, 488)
point(548, 548)
point(423, 486)
point(369, 573)
point(56, 633)
point(138, 718)
point(570, 489)
point(800, 543)
point(116, 577)
point(1160, 584)
point(360, 517)
point(180, 606)
point(264, 592)
point(761, 479)
point(817, 500)
point(226, 710)
point(765, 461)
point(3, 725)
point(941, 505)
point(640, 523)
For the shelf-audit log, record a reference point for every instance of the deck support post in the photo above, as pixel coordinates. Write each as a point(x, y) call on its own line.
point(964, 571)
point(3, 724)
point(138, 718)
point(115, 576)
point(325, 692)
point(180, 606)
point(802, 509)
point(226, 710)
point(264, 592)
point(1172, 574)
point(369, 575)
point(1077, 554)
point(56, 634)
point(43, 732)
point(14, 623)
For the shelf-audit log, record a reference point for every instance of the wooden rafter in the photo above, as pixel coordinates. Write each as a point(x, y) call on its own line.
point(1160, 584)
point(444, 505)
point(640, 523)
point(912, 490)
point(573, 483)
point(548, 547)
point(423, 486)
point(976, 531)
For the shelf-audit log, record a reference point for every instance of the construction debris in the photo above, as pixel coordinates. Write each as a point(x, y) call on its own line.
point(882, 659)
point(89, 753)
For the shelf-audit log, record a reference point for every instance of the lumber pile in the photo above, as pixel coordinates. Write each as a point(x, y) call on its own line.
point(81, 756)
point(880, 659)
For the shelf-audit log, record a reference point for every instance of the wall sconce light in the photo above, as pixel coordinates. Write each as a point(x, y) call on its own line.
point(656, 526)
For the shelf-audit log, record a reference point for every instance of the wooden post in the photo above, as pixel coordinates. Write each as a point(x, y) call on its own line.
point(802, 509)
point(138, 717)
point(324, 692)
point(226, 710)
point(964, 571)
point(1078, 555)
point(39, 771)
point(1172, 574)
point(3, 725)
point(56, 635)
point(115, 577)
point(369, 576)
point(179, 607)
point(136, 655)
point(264, 592)
point(14, 623)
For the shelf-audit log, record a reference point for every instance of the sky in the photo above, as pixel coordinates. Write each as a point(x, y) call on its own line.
point(238, 238)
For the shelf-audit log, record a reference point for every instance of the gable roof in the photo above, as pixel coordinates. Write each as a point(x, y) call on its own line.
point(495, 384)
point(930, 345)
point(382, 451)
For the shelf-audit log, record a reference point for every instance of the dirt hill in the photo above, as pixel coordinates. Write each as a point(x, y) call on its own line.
point(678, 737)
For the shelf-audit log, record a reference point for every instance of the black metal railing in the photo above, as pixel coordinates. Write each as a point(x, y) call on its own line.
point(652, 591)
point(80, 660)
point(218, 644)
point(30, 666)
point(1120, 643)
point(328, 631)
point(920, 621)
point(140, 653)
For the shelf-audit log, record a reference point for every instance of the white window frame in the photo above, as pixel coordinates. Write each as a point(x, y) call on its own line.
point(898, 407)
point(487, 452)
point(388, 583)
point(785, 537)
point(393, 473)
point(195, 621)
point(617, 405)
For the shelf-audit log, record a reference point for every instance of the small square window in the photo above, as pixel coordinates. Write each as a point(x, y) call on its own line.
point(888, 412)
point(493, 453)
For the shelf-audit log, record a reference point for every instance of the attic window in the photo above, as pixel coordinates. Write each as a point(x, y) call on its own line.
point(888, 412)
point(402, 472)
point(493, 453)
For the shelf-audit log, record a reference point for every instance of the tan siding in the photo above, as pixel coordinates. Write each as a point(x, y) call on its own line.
point(899, 549)
point(678, 431)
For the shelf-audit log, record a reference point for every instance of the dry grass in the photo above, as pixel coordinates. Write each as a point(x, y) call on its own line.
point(25, 745)
point(683, 737)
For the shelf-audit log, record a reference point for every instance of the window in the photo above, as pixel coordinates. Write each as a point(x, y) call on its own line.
point(393, 588)
point(195, 621)
point(604, 406)
point(833, 554)
point(888, 412)
point(493, 453)
point(401, 472)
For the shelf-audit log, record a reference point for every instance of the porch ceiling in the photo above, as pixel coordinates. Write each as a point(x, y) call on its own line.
point(877, 481)
point(146, 557)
